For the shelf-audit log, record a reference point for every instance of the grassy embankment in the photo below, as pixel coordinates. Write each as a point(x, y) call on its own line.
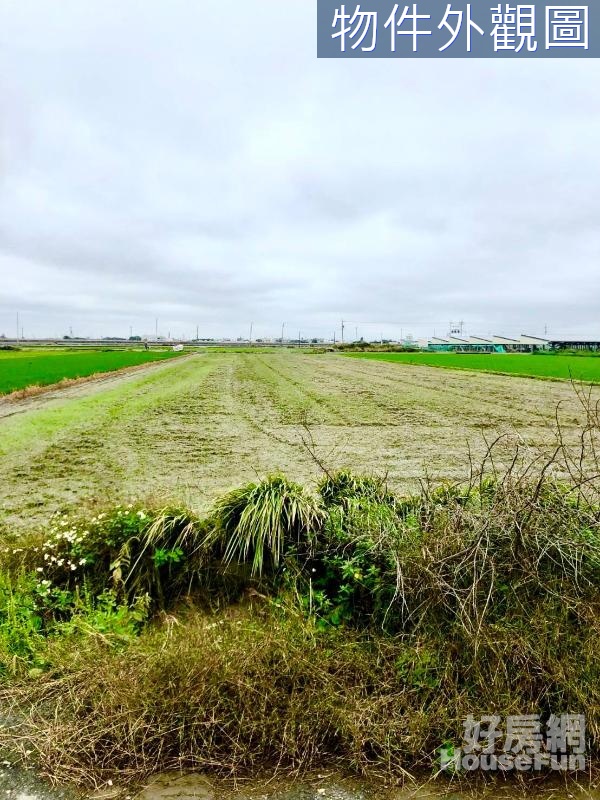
point(24, 369)
point(559, 367)
point(297, 628)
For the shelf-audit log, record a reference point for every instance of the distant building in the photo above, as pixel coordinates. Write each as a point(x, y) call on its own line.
point(487, 344)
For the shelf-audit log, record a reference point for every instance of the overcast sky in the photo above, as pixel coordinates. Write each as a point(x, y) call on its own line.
point(193, 161)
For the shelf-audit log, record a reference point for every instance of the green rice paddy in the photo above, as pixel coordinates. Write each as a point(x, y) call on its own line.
point(551, 366)
point(21, 369)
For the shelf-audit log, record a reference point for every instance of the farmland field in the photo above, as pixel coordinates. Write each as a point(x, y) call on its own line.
point(20, 369)
point(190, 429)
point(580, 368)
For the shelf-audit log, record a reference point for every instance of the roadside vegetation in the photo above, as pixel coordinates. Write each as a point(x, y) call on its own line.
point(557, 366)
point(24, 369)
point(297, 627)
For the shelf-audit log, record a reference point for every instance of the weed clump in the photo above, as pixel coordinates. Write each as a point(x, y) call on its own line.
point(258, 523)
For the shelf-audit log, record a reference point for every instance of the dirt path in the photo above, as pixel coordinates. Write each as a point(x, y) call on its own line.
point(189, 429)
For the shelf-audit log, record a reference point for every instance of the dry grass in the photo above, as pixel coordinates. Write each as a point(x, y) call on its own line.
point(230, 694)
point(254, 689)
point(35, 390)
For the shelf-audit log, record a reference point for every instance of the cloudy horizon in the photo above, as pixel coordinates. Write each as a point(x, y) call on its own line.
point(197, 164)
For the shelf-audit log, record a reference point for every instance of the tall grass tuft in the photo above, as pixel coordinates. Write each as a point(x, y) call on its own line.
point(165, 557)
point(257, 523)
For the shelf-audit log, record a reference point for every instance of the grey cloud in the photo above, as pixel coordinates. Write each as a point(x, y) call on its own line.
point(196, 162)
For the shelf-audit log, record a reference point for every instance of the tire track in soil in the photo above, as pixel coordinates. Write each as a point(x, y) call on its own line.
point(317, 400)
point(247, 401)
point(341, 440)
point(265, 449)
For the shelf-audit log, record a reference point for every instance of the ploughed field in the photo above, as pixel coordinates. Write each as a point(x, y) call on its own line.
point(562, 367)
point(188, 430)
point(21, 369)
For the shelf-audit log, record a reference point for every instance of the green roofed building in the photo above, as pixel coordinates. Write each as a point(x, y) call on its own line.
point(487, 344)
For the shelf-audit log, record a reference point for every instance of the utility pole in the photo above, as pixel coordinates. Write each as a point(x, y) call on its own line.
point(251, 326)
point(197, 333)
point(334, 337)
point(156, 329)
point(343, 326)
point(299, 338)
point(282, 330)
